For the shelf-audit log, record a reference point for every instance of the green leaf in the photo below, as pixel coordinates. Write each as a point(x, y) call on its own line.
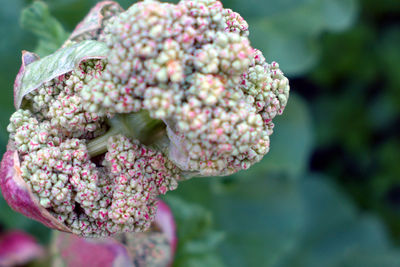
point(262, 219)
point(334, 231)
point(287, 31)
point(197, 240)
point(389, 55)
point(210, 259)
point(290, 222)
point(62, 61)
point(4, 120)
point(50, 33)
point(296, 53)
point(339, 14)
point(13, 41)
point(266, 8)
point(364, 258)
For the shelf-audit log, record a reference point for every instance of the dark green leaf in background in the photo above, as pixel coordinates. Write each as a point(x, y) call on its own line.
point(197, 240)
point(280, 222)
point(287, 31)
point(334, 230)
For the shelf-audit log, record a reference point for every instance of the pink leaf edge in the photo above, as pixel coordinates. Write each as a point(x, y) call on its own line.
point(93, 20)
point(165, 221)
point(26, 58)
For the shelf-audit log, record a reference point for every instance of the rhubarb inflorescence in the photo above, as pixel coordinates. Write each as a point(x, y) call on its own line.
point(176, 92)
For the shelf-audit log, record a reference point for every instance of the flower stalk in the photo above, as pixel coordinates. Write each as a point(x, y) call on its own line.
point(137, 125)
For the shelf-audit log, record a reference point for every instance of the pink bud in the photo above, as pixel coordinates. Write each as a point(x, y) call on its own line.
point(18, 248)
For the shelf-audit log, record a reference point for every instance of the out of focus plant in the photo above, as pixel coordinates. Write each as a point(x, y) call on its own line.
point(359, 92)
point(18, 248)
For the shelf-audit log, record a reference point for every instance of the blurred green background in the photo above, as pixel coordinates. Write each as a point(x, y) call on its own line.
point(328, 193)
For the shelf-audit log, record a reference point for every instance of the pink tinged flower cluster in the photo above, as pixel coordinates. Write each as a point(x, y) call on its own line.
point(208, 95)
point(59, 102)
point(83, 198)
point(140, 174)
point(192, 66)
point(86, 199)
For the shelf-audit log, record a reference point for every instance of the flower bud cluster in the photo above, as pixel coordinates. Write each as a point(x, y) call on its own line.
point(91, 200)
point(59, 102)
point(192, 66)
point(140, 174)
point(235, 23)
point(181, 92)
point(155, 247)
point(266, 87)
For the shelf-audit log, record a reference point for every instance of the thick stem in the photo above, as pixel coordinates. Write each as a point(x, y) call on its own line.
point(133, 125)
point(98, 145)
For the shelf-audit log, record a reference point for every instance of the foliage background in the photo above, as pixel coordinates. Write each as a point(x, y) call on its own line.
point(328, 193)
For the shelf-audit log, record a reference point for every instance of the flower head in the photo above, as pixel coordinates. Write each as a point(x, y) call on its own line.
point(134, 102)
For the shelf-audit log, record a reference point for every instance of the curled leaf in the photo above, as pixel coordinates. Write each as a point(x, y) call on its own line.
point(176, 151)
point(165, 221)
point(27, 58)
point(91, 25)
point(18, 248)
point(33, 74)
point(18, 195)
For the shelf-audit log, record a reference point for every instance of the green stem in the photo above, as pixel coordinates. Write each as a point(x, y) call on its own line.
point(98, 145)
point(138, 125)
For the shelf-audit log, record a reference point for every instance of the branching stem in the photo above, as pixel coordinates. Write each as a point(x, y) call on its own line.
point(133, 125)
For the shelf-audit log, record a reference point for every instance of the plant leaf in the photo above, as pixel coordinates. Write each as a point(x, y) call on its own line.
point(93, 21)
point(197, 240)
point(334, 232)
point(262, 218)
point(287, 31)
point(49, 31)
point(56, 64)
